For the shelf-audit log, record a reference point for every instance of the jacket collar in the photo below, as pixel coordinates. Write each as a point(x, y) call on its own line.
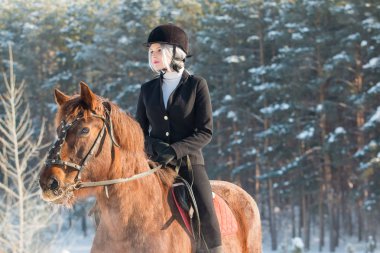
point(185, 76)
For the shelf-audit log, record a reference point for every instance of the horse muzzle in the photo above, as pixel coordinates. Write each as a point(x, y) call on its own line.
point(55, 191)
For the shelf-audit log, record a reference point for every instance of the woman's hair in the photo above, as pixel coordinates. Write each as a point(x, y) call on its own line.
point(167, 58)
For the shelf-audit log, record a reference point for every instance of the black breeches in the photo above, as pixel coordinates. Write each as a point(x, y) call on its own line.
point(203, 196)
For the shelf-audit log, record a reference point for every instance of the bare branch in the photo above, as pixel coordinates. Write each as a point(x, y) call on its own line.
point(8, 190)
point(3, 131)
point(9, 172)
point(5, 144)
point(25, 138)
point(23, 215)
point(5, 77)
point(24, 117)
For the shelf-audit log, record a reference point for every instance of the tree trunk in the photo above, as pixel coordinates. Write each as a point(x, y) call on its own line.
point(321, 213)
point(331, 228)
point(219, 144)
point(260, 33)
point(349, 221)
point(301, 213)
point(338, 218)
point(293, 218)
point(360, 119)
point(360, 220)
point(336, 225)
point(306, 221)
point(325, 169)
point(272, 216)
point(257, 174)
point(236, 161)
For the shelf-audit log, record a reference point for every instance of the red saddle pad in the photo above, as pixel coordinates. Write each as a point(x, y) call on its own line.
point(227, 221)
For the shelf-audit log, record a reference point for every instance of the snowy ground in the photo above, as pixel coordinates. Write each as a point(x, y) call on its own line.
point(78, 243)
point(347, 245)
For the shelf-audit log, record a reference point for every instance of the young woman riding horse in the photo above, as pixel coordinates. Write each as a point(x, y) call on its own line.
point(174, 111)
point(100, 152)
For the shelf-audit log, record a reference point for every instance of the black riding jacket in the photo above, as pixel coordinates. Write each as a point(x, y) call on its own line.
point(186, 123)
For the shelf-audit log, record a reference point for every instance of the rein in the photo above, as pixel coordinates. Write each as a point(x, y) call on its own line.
point(54, 156)
point(80, 184)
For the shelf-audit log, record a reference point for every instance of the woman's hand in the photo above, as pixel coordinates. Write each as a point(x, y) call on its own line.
point(166, 156)
point(158, 146)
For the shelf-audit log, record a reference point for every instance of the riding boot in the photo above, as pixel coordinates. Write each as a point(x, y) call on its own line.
point(203, 196)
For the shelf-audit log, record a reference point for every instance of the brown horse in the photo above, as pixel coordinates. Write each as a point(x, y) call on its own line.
point(97, 142)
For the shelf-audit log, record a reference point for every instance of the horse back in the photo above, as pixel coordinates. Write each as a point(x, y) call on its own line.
point(247, 216)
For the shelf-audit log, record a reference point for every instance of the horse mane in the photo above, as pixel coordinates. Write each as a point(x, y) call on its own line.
point(127, 130)
point(166, 175)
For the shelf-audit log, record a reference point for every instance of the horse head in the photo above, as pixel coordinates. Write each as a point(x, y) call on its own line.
point(89, 131)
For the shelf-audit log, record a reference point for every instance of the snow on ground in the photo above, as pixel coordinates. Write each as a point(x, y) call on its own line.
point(73, 241)
point(347, 245)
point(286, 243)
point(80, 244)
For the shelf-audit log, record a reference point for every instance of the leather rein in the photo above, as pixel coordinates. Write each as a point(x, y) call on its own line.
point(54, 155)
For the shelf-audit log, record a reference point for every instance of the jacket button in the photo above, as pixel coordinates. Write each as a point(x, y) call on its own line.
point(166, 117)
point(167, 133)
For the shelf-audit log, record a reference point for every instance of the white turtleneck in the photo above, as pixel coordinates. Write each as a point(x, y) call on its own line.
point(170, 82)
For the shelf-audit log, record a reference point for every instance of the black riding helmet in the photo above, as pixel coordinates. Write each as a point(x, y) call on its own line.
point(169, 34)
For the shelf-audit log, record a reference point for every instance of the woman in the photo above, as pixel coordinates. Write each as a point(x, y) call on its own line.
point(174, 111)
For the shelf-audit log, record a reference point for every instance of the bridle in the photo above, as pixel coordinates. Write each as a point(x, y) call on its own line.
point(54, 155)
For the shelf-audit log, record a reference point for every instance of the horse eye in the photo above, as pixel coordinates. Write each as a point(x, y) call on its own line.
point(85, 130)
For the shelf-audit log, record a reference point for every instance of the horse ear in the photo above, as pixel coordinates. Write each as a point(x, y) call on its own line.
point(60, 97)
point(87, 96)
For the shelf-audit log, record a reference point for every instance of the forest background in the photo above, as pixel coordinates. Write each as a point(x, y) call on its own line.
point(295, 88)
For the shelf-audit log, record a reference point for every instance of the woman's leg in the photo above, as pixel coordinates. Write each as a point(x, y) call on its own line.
point(203, 196)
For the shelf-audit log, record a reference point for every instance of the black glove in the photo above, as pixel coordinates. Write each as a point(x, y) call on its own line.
point(158, 147)
point(166, 156)
point(153, 146)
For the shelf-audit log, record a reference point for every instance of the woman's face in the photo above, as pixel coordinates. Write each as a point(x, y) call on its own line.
point(155, 54)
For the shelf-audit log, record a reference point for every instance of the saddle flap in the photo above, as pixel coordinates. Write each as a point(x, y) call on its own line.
point(227, 221)
point(182, 196)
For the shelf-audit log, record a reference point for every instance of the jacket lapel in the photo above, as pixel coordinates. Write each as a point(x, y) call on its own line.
point(161, 95)
point(174, 94)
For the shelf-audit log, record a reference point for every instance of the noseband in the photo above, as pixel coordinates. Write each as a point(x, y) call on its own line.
point(54, 155)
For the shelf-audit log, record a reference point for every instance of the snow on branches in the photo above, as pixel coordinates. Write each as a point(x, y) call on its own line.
point(23, 215)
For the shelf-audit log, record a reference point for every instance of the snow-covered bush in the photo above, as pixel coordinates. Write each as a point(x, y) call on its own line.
point(297, 245)
point(370, 245)
point(350, 249)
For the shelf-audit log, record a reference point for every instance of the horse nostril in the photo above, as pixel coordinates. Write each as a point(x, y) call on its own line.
point(52, 184)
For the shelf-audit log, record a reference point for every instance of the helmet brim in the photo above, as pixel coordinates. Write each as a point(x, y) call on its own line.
point(147, 44)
